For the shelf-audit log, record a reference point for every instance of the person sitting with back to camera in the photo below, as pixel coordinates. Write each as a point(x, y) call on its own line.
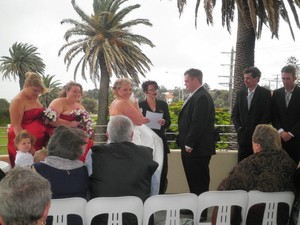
point(269, 169)
point(120, 168)
point(24, 198)
point(66, 173)
point(24, 142)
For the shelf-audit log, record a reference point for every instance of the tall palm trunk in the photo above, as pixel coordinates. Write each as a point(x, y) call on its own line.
point(21, 80)
point(245, 46)
point(103, 99)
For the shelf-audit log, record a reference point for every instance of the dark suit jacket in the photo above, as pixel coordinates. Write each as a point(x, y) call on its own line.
point(287, 118)
point(161, 107)
point(245, 120)
point(196, 124)
point(122, 169)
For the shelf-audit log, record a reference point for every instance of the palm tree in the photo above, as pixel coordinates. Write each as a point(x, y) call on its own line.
point(107, 47)
point(252, 15)
point(23, 58)
point(53, 90)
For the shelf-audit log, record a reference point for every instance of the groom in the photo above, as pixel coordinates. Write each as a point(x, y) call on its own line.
point(196, 132)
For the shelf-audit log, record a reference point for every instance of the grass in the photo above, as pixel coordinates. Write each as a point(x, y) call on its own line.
point(3, 140)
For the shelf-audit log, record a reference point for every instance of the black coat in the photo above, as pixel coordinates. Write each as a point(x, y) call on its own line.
point(245, 120)
point(196, 124)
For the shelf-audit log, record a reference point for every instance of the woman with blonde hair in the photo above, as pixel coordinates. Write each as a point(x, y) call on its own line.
point(26, 113)
point(126, 104)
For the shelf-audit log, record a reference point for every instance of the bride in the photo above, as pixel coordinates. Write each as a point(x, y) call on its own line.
point(126, 104)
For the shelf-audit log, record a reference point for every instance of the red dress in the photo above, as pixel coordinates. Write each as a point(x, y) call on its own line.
point(32, 121)
point(72, 118)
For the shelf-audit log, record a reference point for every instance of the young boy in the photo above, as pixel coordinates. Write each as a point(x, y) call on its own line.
point(24, 142)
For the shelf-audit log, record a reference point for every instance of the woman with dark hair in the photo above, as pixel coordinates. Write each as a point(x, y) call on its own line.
point(66, 173)
point(26, 113)
point(67, 110)
point(152, 104)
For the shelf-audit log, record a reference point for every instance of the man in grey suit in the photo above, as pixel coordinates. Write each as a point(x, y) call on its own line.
point(286, 112)
point(252, 107)
point(196, 136)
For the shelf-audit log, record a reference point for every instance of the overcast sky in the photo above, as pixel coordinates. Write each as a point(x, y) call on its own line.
point(179, 46)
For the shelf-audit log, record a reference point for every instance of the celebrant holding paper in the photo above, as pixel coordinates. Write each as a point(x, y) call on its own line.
point(154, 108)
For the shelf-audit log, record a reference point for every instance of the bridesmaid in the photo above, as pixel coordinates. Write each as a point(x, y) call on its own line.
point(26, 113)
point(67, 110)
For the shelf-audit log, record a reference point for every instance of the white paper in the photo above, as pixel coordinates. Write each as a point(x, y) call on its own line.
point(154, 117)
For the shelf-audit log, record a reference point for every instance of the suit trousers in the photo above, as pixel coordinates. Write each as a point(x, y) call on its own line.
point(196, 169)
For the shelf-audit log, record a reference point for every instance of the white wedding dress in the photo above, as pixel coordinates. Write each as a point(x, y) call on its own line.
point(143, 135)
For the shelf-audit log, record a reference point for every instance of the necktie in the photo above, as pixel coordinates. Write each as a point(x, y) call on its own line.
point(287, 98)
point(249, 98)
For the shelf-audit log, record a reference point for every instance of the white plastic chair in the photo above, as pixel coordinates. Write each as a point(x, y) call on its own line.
point(271, 199)
point(224, 200)
point(114, 207)
point(61, 208)
point(172, 204)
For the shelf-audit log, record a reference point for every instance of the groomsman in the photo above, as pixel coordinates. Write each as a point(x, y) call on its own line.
point(252, 107)
point(286, 112)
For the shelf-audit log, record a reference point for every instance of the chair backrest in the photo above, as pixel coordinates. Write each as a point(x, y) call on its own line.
point(224, 200)
point(172, 204)
point(61, 208)
point(271, 199)
point(114, 207)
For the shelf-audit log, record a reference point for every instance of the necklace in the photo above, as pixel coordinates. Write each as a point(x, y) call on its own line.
point(152, 104)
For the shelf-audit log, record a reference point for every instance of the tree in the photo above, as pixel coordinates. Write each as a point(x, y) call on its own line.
point(107, 47)
point(23, 58)
point(4, 112)
point(252, 15)
point(53, 90)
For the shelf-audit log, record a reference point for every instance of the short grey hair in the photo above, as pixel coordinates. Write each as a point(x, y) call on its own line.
point(24, 196)
point(119, 129)
point(267, 136)
point(67, 142)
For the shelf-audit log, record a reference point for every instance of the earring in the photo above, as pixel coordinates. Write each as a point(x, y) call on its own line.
point(43, 222)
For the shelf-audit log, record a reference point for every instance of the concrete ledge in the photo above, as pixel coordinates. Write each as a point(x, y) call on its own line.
point(220, 166)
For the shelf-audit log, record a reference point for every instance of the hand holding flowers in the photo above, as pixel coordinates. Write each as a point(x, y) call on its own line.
point(85, 119)
point(50, 115)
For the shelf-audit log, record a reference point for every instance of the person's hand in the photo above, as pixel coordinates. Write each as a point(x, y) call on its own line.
point(188, 149)
point(146, 120)
point(285, 136)
point(161, 122)
point(74, 123)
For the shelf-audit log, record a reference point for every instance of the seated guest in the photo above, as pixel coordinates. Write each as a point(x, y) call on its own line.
point(269, 169)
point(121, 168)
point(67, 174)
point(24, 198)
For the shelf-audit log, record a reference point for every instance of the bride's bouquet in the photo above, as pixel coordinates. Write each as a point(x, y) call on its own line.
point(50, 115)
point(85, 119)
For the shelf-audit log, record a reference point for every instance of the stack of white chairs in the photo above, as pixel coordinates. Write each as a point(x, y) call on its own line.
point(224, 200)
point(61, 208)
point(114, 207)
point(172, 205)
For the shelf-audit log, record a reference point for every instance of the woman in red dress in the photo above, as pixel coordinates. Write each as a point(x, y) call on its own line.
point(26, 113)
point(68, 111)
